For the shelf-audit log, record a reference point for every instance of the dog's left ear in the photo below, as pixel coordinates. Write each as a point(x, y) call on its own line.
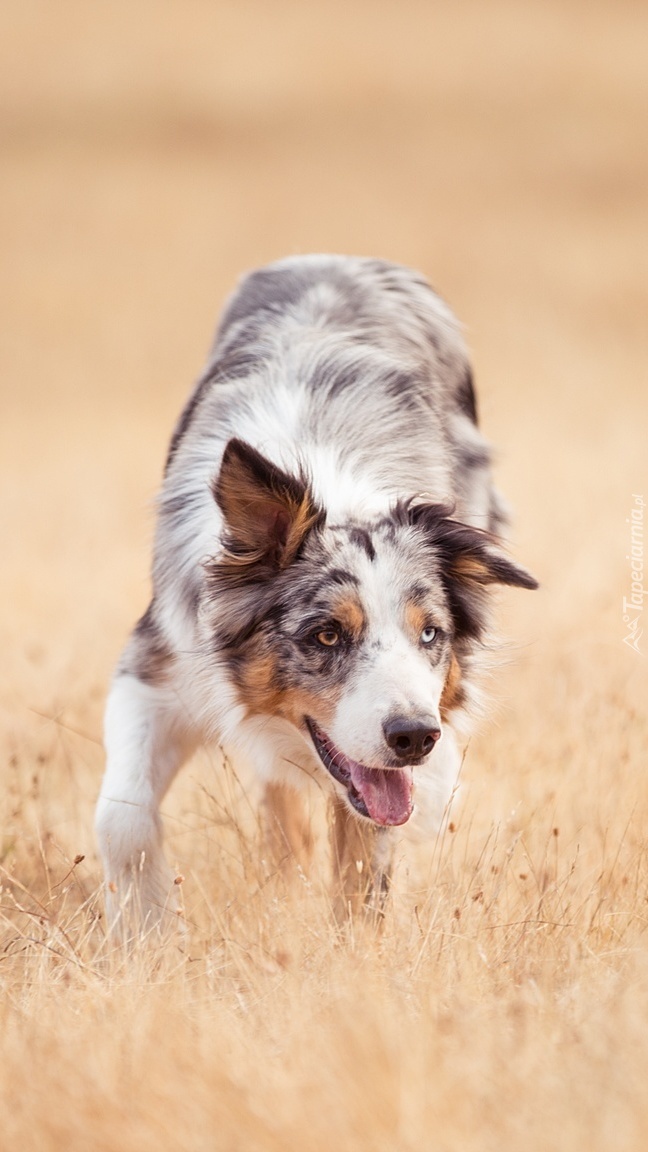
point(469, 560)
point(267, 512)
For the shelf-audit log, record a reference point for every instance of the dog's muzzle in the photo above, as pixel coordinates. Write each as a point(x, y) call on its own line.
point(383, 795)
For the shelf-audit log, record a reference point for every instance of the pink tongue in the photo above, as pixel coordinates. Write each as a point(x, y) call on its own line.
point(387, 793)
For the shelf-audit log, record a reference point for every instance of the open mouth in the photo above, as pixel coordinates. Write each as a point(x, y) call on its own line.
point(383, 795)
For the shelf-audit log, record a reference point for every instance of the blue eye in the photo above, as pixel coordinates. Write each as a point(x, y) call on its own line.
point(428, 635)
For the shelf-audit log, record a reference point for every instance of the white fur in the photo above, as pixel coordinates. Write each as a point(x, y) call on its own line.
point(357, 469)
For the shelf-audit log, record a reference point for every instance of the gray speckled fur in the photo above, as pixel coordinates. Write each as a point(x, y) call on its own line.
point(351, 373)
point(376, 368)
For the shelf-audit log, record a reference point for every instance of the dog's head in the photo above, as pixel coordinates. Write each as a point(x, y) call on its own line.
point(358, 634)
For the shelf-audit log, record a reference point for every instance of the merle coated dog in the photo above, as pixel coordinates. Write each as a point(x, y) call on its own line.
point(327, 535)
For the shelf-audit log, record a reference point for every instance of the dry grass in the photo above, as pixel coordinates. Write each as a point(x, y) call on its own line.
point(149, 154)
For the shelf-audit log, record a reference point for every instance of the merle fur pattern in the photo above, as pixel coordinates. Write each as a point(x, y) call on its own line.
point(326, 477)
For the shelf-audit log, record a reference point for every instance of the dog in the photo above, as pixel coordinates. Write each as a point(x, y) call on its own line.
point(327, 535)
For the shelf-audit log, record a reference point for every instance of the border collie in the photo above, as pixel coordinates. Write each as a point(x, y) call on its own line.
point(326, 537)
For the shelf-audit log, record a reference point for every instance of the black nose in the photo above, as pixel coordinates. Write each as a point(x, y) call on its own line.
point(411, 739)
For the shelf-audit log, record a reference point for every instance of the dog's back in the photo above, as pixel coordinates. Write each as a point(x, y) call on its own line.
point(350, 369)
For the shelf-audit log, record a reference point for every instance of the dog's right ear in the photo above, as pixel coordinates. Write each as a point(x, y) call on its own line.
point(267, 513)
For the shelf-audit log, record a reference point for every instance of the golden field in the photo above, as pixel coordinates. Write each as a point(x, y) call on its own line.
point(149, 154)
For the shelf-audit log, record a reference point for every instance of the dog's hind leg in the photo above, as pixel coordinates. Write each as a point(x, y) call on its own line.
point(147, 739)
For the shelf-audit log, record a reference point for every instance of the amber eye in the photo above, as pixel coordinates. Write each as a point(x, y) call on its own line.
point(328, 637)
point(428, 635)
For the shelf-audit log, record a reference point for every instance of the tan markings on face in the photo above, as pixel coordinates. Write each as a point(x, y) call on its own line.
point(296, 703)
point(416, 619)
point(258, 683)
point(453, 693)
point(258, 686)
point(348, 612)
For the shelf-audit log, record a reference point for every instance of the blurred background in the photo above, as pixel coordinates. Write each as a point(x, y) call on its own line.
point(150, 153)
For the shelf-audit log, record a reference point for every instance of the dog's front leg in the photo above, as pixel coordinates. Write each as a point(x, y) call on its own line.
point(147, 740)
point(287, 831)
point(362, 862)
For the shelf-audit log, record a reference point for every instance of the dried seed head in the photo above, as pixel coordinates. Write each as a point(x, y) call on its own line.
point(179, 879)
point(112, 886)
point(78, 858)
point(451, 826)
